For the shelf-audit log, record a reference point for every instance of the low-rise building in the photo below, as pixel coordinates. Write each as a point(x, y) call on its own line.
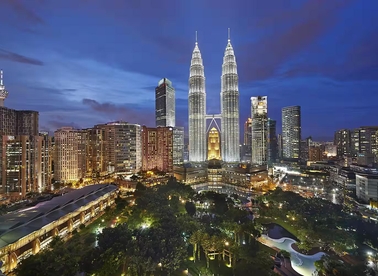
point(30, 230)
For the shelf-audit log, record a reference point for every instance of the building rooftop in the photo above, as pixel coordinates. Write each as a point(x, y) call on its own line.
point(19, 224)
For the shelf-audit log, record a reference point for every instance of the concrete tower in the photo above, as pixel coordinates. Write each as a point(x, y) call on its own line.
point(3, 91)
point(230, 106)
point(197, 108)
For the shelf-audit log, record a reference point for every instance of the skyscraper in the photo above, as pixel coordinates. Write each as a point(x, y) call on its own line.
point(259, 114)
point(197, 108)
point(230, 107)
point(20, 153)
point(248, 132)
point(291, 132)
point(165, 104)
point(162, 148)
point(343, 142)
point(272, 142)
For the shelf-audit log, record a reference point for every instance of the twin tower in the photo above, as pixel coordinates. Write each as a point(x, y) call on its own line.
point(229, 108)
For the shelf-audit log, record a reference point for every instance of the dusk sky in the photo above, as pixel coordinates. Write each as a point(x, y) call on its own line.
point(84, 62)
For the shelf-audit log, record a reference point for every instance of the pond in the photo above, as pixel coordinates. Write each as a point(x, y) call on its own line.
point(276, 231)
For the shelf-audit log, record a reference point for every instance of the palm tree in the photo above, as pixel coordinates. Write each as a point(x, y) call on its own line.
point(206, 245)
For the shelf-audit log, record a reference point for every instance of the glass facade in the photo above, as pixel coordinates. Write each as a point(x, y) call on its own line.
point(165, 104)
point(291, 132)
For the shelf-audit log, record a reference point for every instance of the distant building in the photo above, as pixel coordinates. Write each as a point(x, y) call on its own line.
point(343, 142)
point(162, 148)
point(259, 114)
point(165, 104)
point(272, 142)
point(279, 144)
point(315, 153)
point(248, 132)
point(291, 132)
point(367, 187)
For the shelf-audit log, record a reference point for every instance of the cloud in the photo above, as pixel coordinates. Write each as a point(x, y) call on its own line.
point(135, 114)
point(24, 12)
point(307, 24)
point(7, 55)
point(359, 63)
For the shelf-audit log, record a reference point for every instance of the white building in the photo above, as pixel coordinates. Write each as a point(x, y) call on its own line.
point(259, 114)
point(230, 139)
point(197, 108)
point(367, 187)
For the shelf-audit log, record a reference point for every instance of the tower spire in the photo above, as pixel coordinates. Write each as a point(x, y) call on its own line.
point(196, 38)
point(229, 35)
point(1, 77)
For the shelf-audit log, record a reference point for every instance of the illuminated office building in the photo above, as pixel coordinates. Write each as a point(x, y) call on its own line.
point(291, 132)
point(230, 107)
point(259, 114)
point(165, 104)
point(197, 108)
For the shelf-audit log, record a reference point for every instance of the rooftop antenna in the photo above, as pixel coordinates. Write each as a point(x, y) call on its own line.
point(229, 35)
point(196, 38)
point(1, 77)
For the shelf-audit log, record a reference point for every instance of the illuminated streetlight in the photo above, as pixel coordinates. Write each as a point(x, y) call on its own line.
point(226, 243)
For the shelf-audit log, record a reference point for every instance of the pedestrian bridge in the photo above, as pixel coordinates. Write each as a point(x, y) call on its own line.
point(223, 188)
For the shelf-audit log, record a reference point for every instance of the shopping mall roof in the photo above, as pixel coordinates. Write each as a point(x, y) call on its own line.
point(15, 225)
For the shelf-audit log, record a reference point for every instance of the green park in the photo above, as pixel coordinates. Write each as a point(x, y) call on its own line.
point(172, 230)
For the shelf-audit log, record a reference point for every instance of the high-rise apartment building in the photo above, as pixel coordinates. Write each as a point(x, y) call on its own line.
point(291, 132)
point(197, 108)
point(19, 151)
point(46, 161)
point(70, 154)
point(122, 151)
point(364, 140)
point(114, 147)
point(20, 169)
point(272, 142)
point(259, 115)
point(162, 148)
point(343, 142)
point(165, 104)
point(230, 138)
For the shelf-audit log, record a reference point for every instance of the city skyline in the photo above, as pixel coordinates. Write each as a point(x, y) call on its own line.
point(105, 64)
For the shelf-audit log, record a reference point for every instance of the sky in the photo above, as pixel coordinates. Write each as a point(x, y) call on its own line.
point(85, 62)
